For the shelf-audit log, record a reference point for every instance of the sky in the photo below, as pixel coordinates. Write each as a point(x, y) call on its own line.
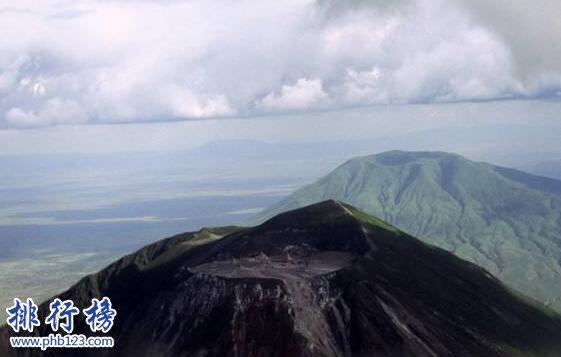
point(119, 75)
point(506, 132)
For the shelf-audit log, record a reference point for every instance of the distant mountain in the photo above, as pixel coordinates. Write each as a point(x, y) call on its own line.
point(505, 220)
point(325, 280)
point(550, 168)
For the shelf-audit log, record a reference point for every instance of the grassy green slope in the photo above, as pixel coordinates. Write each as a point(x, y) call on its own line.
point(504, 220)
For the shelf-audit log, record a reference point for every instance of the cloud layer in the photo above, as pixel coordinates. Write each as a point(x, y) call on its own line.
point(89, 61)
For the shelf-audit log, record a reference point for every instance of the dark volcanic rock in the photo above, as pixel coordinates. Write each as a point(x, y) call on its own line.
point(325, 280)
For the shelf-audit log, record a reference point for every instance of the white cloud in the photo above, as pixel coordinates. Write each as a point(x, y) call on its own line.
point(363, 87)
point(531, 29)
point(20, 118)
point(54, 111)
point(121, 61)
point(304, 94)
point(184, 104)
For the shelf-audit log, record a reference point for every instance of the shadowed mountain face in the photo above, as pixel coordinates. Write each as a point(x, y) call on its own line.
point(324, 280)
point(505, 220)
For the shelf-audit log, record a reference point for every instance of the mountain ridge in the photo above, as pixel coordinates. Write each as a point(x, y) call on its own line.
point(323, 280)
point(503, 219)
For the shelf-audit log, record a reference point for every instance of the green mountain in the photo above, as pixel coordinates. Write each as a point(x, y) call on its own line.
point(502, 219)
point(324, 280)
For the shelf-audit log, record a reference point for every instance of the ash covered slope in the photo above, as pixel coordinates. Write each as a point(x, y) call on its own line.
point(504, 220)
point(324, 280)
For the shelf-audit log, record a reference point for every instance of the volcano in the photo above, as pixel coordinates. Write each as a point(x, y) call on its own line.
point(323, 280)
